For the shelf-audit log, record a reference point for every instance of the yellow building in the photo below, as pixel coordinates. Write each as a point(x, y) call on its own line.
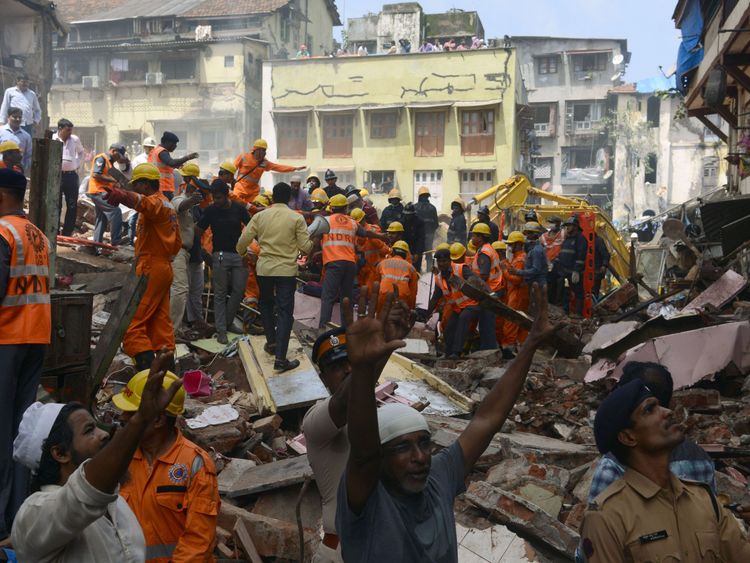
point(136, 69)
point(448, 121)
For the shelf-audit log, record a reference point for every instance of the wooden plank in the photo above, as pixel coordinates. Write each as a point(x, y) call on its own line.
point(44, 194)
point(299, 389)
point(255, 378)
point(270, 476)
point(420, 373)
point(111, 337)
point(245, 542)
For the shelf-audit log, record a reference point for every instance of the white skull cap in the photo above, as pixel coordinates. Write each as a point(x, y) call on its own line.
point(34, 429)
point(397, 419)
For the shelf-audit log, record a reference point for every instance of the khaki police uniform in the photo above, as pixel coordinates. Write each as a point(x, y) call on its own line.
point(635, 520)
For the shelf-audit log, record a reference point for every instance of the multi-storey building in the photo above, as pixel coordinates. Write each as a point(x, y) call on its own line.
point(448, 120)
point(134, 69)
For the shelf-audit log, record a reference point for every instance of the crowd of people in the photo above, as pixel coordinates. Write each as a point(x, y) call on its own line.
point(72, 492)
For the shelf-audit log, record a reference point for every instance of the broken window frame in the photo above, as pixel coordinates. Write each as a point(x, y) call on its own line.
point(477, 132)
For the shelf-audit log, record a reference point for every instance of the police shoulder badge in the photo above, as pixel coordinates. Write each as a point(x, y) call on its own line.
point(334, 340)
point(178, 473)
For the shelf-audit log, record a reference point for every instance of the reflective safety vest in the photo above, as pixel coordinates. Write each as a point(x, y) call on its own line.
point(496, 274)
point(96, 186)
point(25, 311)
point(339, 242)
point(396, 272)
point(552, 243)
point(166, 173)
point(455, 298)
point(372, 249)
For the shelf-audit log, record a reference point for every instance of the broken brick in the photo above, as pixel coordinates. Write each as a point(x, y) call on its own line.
point(267, 425)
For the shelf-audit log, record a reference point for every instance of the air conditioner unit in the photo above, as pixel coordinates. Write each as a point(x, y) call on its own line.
point(154, 78)
point(541, 128)
point(90, 82)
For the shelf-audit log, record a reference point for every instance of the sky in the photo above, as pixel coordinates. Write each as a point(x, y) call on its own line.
point(646, 24)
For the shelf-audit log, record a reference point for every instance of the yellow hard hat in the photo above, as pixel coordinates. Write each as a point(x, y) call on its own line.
point(442, 246)
point(319, 195)
point(516, 236)
point(471, 247)
point(190, 169)
point(460, 202)
point(357, 214)
point(394, 193)
point(500, 245)
point(424, 190)
point(395, 227)
point(600, 224)
point(363, 193)
point(401, 245)
point(229, 166)
point(482, 229)
point(145, 171)
point(532, 227)
point(339, 200)
point(9, 146)
point(262, 199)
point(260, 144)
point(129, 399)
point(457, 250)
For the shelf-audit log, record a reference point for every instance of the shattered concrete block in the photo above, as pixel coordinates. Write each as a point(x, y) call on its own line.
point(573, 369)
point(734, 489)
point(491, 376)
point(231, 472)
point(521, 516)
point(222, 438)
point(581, 490)
point(510, 473)
point(574, 518)
point(267, 425)
point(546, 496)
point(272, 538)
point(564, 431)
point(698, 400)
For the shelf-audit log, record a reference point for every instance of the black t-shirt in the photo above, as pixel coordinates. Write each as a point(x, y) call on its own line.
point(226, 225)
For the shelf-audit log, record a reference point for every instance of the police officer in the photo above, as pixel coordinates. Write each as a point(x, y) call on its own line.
point(570, 265)
point(331, 188)
point(650, 514)
point(393, 212)
point(483, 216)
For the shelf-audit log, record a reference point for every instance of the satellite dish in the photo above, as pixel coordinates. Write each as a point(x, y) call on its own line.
point(616, 76)
point(617, 59)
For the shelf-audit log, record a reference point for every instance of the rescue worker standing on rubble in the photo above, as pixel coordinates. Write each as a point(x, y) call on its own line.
point(428, 213)
point(650, 514)
point(517, 291)
point(226, 218)
point(413, 233)
point(162, 158)
point(535, 263)
point(324, 427)
point(158, 241)
point(251, 166)
point(171, 486)
point(570, 265)
point(25, 329)
point(483, 216)
point(373, 250)
point(397, 274)
point(552, 242)
point(486, 266)
point(339, 256)
point(393, 211)
point(107, 214)
point(457, 226)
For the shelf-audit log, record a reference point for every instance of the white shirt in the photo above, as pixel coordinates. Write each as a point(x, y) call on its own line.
point(72, 152)
point(140, 159)
point(77, 523)
point(26, 101)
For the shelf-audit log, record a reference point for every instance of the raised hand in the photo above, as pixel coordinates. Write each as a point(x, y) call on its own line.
point(366, 342)
point(542, 329)
point(399, 320)
point(155, 397)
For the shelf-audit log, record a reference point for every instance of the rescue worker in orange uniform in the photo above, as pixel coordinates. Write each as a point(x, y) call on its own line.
point(172, 487)
point(464, 311)
point(107, 214)
point(10, 156)
point(373, 251)
point(25, 329)
point(164, 162)
point(398, 273)
point(517, 290)
point(338, 245)
point(252, 291)
point(395, 232)
point(552, 242)
point(158, 241)
point(251, 166)
point(501, 248)
point(226, 173)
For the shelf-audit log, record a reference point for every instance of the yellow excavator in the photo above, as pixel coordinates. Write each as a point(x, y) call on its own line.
point(511, 198)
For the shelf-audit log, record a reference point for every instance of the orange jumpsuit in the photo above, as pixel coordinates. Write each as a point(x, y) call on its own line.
point(500, 321)
point(157, 242)
point(552, 243)
point(397, 272)
point(249, 172)
point(176, 501)
point(518, 298)
point(374, 252)
point(252, 291)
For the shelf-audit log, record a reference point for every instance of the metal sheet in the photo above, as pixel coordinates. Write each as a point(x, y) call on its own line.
point(721, 292)
point(297, 390)
point(301, 109)
point(716, 214)
point(477, 104)
point(333, 109)
point(735, 234)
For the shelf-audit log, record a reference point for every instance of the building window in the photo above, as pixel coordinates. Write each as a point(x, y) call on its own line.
point(543, 168)
point(548, 65)
point(71, 70)
point(590, 62)
point(127, 69)
point(429, 133)
point(337, 135)
point(380, 181)
point(585, 115)
point(478, 132)
point(653, 104)
point(228, 61)
point(710, 172)
point(178, 69)
point(544, 120)
point(383, 125)
point(651, 164)
point(291, 132)
point(475, 181)
point(212, 139)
